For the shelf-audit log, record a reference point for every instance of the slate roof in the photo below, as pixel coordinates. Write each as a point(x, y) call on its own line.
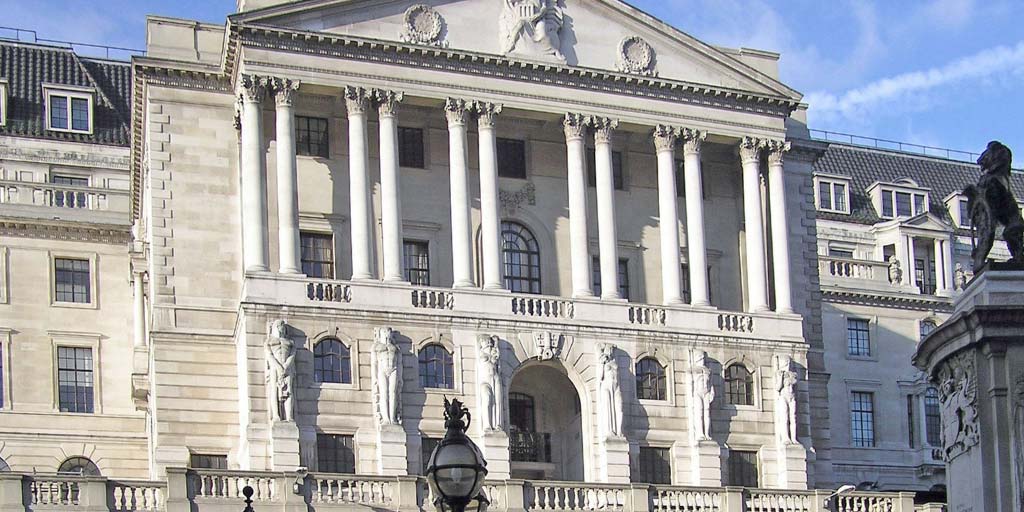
point(865, 166)
point(27, 66)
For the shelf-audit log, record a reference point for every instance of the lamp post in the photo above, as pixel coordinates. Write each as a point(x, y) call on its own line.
point(842, 490)
point(456, 469)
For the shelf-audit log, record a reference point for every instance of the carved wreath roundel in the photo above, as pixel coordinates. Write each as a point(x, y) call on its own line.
point(636, 56)
point(423, 25)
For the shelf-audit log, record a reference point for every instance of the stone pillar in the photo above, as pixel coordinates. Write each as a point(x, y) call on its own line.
point(284, 446)
point(254, 177)
point(780, 226)
point(947, 265)
point(390, 184)
point(462, 248)
point(607, 238)
point(495, 449)
point(575, 126)
point(757, 281)
point(696, 251)
point(668, 217)
point(613, 464)
point(490, 219)
point(139, 309)
point(706, 463)
point(287, 179)
point(392, 450)
point(792, 466)
point(911, 264)
point(12, 490)
point(357, 101)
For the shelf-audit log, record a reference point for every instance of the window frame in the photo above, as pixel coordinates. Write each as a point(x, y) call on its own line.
point(420, 351)
point(93, 377)
point(407, 269)
point(854, 438)
point(194, 456)
point(423, 147)
point(77, 458)
point(94, 298)
point(883, 192)
point(5, 368)
point(932, 406)
point(69, 93)
point(3, 102)
point(312, 233)
point(531, 278)
point(498, 153)
point(868, 329)
point(753, 387)
point(424, 456)
point(352, 355)
point(832, 182)
point(77, 340)
point(639, 476)
point(618, 168)
point(663, 395)
point(729, 466)
point(333, 435)
point(302, 147)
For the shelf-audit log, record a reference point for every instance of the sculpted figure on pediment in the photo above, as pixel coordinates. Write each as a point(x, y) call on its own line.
point(534, 26)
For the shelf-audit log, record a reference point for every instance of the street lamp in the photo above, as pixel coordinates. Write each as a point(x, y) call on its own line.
point(456, 469)
point(842, 490)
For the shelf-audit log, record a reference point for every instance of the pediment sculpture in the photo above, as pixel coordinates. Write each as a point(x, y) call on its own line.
point(531, 26)
point(991, 205)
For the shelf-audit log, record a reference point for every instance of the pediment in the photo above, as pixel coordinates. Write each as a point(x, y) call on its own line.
point(927, 221)
point(596, 34)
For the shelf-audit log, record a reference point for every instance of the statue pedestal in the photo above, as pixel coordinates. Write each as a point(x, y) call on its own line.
point(976, 359)
point(284, 446)
point(495, 450)
point(614, 460)
point(392, 455)
point(705, 464)
point(792, 466)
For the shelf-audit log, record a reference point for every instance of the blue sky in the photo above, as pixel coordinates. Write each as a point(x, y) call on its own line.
point(944, 73)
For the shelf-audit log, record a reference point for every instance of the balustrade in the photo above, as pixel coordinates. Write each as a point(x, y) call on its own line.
point(683, 499)
point(352, 489)
point(735, 322)
point(63, 196)
point(135, 496)
point(542, 307)
point(780, 501)
point(575, 496)
point(328, 292)
point(646, 315)
point(55, 491)
point(839, 271)
point(433, 299)
point(208, 484)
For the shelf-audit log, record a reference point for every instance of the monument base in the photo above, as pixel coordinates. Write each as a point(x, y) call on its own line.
point(284, 446)
point(705, 464)
point(792, 466)
point(495, 450)
point(392, 458)
point(614, 458)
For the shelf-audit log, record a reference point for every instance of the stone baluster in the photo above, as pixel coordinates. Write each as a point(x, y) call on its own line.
point(696, 249)
point(287, 179)
point(575, 126)
point(357, 101)
point(390, 184)
point(780, 225)
point(665, 138)
point(252, 90)
point(490, 219)
point(607, 238)
point(757, 280)
point(462, 255)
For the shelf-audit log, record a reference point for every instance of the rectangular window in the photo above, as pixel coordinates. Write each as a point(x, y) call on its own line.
point(840, 253)
point(832, 196)
point(59, 112)
point(910, 421)
point(206, 461)
point(623, 276)
point(71, 280)
point(685, 274)
point(3, 102)
point(618, 179)
point(80, 114)
point(311, 136)
point(919, 205)
point(902, 204)
point(965, 214)
point(932, 418)
point(417, 262)
point(743, 468)
point(317, 255)
point(410, 148)
point(653, 466)
point(511, 158)
point(69, 111)
point(887, 204)
point(75, 379)
point(862, 419)
point(335, 453)
point(427, 445)
point(858, 337)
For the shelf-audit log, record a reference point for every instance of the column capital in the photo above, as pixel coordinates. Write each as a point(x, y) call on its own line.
point(387, 101)
point(455, 110)
point(665, 137)
point(692, 139)
point(574, 125)
point(486, 112)
point(776, 150)
point(284, 90)
point(750, 149)
point(603, 128)
point(357, 99)
point(252, 88)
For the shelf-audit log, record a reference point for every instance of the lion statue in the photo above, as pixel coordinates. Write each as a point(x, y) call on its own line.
point(991, 204)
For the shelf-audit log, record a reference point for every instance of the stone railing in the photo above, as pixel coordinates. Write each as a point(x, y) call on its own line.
point(495, 305)
point(221, 491)
point(859, 274)
point(22, 194)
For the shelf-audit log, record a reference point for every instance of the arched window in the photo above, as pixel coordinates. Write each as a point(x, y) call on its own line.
point(436, 367)
point(79, 466)
point(3, 465)
point(650, 380)
point(521, 256)
point(926, 327)
point(932, 418)
point(739, 385)
point(332, 362)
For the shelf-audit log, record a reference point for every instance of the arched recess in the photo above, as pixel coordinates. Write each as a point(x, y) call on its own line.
point(550, 283)
point(79, 465)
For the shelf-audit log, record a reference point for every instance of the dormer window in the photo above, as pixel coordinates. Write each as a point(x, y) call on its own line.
point(900, 199)
point(956, 204)
point(832, 194)
point(69, 110)
point(3, 102)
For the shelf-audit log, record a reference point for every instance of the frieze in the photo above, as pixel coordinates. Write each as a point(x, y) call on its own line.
point(512, 201)
point(958, 397)
point(70, 231)
point(64, 157)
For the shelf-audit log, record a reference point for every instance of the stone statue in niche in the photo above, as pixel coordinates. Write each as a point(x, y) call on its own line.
point(1018, 439)
point(991, 204)
point(387, 376)
point(279, 351)
point(702, 393)
point(489, 390)
point(609, 392)
point(785, 400)
point(895, 272)
point(534, 26)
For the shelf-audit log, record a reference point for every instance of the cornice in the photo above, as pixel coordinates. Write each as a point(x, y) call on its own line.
point(69, 231)
point(905, 302)
point(64, 157)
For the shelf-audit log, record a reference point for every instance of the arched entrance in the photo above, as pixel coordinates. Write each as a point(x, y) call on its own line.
point(546, 438)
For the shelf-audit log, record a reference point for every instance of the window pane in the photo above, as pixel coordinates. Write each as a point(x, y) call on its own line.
point(317, 255)
point(520, 409)
point(436, 367)
point(80, 114)
point(521, 256)
point(887, 203)
point(840, 197)
point(653, 466)
point(825, 195)
point(650, 380)
point(858, 339)
point(332, 362)
point(739, 385)
point(71, 280)
point(618, 178)
point(79, 466)
point(201, 461)
point(919, 204)
point(416, 256)
point(932, 418)
point(910, 421)
point(862, 419)
point(335, 453)
point(742, 468)
point(595, 274)
point(410, 148)
point(684, 272)
point(903, 206)
point(311, 136)
point(75, 379)
point(680, 178)
point(59, 112)
point(511, 158)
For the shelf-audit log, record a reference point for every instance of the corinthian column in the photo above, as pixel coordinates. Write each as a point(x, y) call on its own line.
point(357, 100)
point(287, 181)
point(757, 281)
point(462, 256)
point(390, 189)
point(780, 225)
point(490, 221)
point(575, 128)
point(665, 143)
point(254, 177)
point(607, 239)
point(696, 250)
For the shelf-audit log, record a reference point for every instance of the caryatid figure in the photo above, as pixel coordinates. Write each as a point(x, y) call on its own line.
point(609, 392)
point(785, 400)
point(279, 352)
point(702, 393)
point(387, 376)
point(489, 390)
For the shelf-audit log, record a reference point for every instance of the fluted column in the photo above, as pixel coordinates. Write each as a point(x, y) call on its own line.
point(947, 266)
point(757, 281)
point(139, 309)
point(254, 177)
point(287, 180)
point(941, 285)
point(780, 226)
point(607, 238)
point(911, 262)
point(390, 186)
point(665, 144)
point(696, 247)
point(490, 220)
point(357, 101)
point(462, 255)
point(575, 126)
